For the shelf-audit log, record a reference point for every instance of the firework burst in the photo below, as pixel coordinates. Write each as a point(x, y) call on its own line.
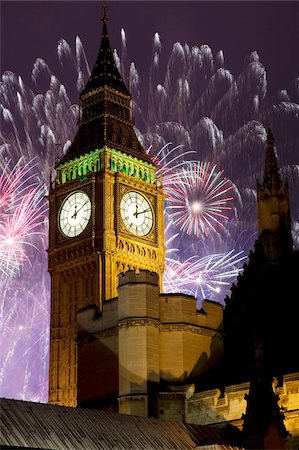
point(198, 198)
point(23, 211)
point(18, 228)
point(207, 277)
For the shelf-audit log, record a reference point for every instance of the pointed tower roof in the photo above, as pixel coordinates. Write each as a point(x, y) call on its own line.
point(106, 110)
point(271, 173)
point(105, 72)
point(274, 222)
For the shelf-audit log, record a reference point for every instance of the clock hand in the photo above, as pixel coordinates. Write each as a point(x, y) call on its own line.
point(136, 212)
point(141, 212)
point(76, 211)
point(82, 206)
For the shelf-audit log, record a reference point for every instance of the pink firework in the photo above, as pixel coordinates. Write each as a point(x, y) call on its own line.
point(23, 209)
point(197, 198)
point(18, 228)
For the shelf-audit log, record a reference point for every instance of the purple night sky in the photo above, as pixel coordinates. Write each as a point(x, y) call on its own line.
point(32, 29)
point(217, 104)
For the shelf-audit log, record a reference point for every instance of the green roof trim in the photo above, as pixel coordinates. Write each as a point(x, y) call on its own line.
point(105, 158)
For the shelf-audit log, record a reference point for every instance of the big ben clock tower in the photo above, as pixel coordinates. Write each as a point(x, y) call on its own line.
point(106, 216)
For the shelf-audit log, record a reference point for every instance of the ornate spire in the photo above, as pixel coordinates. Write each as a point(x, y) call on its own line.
point(105, 72)
point(105, 19)
point(274, 222)
point(105, 119)
point(271, 173)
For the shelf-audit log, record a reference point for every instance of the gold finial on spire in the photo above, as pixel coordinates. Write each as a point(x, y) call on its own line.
point(105, 19)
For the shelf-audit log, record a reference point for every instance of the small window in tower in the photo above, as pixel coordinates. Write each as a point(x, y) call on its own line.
point(120, 136)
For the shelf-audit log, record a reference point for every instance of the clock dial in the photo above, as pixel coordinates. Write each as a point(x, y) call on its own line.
point(136, 213)
point(74, 214)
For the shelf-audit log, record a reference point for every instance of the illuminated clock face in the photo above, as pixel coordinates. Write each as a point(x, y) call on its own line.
point(136, 213)
point(74, 214)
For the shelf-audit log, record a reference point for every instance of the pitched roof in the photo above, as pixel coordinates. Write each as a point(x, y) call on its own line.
point(37, 425)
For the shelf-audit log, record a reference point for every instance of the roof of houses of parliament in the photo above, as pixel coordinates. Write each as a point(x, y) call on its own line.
point(41, 426)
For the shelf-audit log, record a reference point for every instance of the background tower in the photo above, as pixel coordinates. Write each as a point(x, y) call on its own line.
point(264, 302)
point(274, 223)
point(106, 215)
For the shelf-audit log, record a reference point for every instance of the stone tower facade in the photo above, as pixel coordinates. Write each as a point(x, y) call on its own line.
point(139, 342)
point(274, 223)
point(145, 344)
point(106, 216)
